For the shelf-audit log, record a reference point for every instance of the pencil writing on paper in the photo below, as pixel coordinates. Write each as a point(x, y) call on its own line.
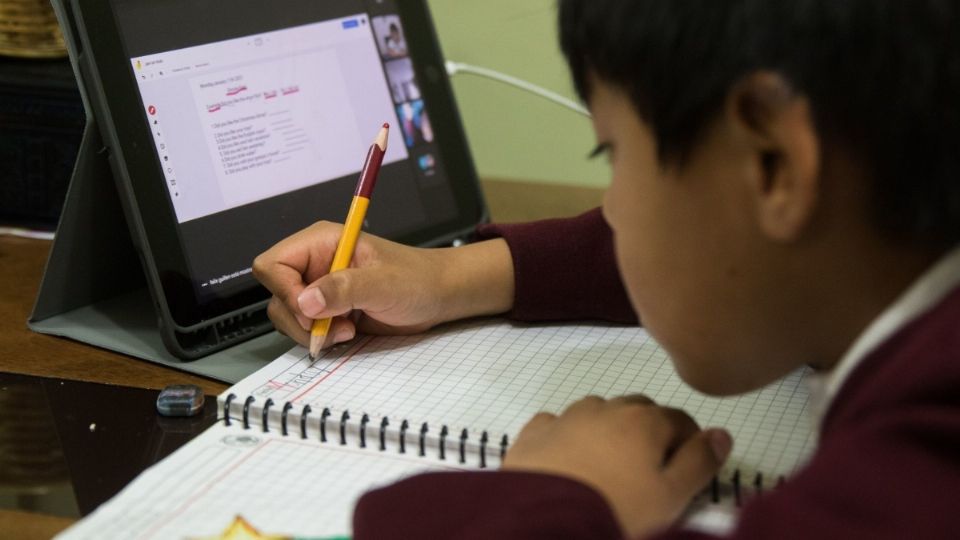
point(352, 226)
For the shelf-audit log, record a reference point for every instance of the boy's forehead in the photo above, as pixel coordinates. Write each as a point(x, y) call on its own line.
point(610, 103)
point(601, 91)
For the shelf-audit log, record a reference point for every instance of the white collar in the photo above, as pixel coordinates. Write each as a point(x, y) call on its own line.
point(922, 295)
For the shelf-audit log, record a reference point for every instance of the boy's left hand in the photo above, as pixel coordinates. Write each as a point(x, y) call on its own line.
point(647, 461)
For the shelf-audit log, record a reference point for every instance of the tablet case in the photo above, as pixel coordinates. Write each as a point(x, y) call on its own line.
point(93, 288)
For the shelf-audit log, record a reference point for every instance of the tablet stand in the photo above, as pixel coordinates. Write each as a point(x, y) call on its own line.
point(93, 288)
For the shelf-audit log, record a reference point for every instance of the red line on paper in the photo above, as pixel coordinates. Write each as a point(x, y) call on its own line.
point(203, 491)
point(331, 372)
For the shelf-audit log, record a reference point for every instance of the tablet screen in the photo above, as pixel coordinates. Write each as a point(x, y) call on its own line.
point(260, 115)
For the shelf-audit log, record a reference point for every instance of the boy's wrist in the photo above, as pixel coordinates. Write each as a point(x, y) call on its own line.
point(476, 280)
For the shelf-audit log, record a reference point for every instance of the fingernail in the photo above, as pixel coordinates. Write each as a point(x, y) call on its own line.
point(305, 322)
point(343, 334)
point(311, 302)
point(721, 443)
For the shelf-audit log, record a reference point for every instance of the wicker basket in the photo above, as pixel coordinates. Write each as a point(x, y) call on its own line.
point(29, 29)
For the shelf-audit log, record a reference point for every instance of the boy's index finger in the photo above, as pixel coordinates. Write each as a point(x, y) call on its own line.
point(283, 280)
point(678, 427)
point(283, 270)
point(696, 461)
point(297, 260)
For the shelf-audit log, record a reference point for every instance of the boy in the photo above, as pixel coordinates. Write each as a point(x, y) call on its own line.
point(785, 192)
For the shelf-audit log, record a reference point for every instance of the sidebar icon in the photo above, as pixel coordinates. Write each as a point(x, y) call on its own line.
point(168, 172)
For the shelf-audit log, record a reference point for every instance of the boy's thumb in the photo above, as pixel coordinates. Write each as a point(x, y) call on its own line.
point(698, 459)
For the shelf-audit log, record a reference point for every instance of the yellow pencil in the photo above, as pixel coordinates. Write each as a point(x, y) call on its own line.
point(351, 228)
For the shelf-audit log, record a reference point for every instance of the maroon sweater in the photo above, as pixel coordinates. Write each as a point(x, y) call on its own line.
point(887, 466)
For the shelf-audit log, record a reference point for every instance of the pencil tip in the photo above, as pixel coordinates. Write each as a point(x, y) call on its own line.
point(316, 343)
point(382, 136)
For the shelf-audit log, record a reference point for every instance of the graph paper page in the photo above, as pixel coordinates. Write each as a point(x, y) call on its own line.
point(493, 375)
point(280, 485)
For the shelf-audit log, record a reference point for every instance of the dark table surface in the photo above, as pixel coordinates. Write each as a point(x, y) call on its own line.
point(68, 446)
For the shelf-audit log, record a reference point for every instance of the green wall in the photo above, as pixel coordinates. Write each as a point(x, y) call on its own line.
point(513, 134)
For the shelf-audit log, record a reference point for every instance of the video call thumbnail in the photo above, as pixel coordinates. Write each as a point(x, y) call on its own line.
point(415, 123)
point(389, 34)
point(403, 84)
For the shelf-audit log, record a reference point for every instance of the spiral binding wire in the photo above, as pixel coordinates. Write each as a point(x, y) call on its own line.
point(364, 424)
point(739, 491)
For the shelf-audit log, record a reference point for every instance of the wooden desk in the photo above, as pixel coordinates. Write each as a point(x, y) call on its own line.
point(25, 352)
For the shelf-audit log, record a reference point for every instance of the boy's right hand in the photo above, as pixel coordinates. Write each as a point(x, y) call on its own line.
point(648, 461)
point(390, 288)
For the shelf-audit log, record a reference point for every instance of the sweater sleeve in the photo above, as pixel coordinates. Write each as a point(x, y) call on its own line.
point(480, 505)
point(903, 487)
point(564, 269)
point(884, 476)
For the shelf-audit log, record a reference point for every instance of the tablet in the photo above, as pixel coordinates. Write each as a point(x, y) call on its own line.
point(231, 124)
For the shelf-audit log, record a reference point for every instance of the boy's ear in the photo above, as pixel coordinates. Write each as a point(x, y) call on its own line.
point(778, 130)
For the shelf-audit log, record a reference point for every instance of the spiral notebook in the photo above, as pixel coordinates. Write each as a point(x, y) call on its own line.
point(299, 441)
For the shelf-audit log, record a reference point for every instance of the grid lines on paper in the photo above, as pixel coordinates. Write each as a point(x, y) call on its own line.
point(492, 375)
point(280, 485)
point(141, 514)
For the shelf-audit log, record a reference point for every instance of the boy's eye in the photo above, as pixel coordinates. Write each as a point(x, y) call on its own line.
point(601, 149)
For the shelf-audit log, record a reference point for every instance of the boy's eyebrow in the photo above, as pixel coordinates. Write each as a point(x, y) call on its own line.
point(601, 149)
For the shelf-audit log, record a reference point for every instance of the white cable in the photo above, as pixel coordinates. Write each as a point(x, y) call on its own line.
point(458, 67)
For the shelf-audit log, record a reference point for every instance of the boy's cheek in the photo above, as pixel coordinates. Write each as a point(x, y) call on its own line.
point(606, 207)
point(614, 205)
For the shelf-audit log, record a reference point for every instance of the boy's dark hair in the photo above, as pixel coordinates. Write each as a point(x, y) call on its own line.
point(882, 76)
